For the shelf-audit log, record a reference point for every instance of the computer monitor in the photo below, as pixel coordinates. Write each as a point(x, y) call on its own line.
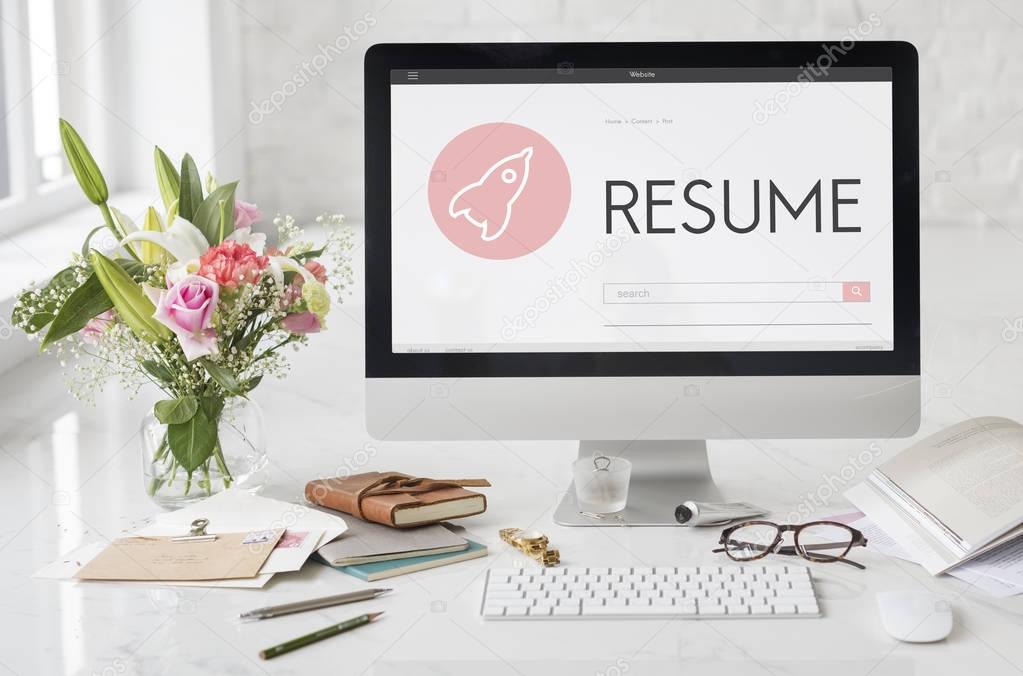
point(642, 247)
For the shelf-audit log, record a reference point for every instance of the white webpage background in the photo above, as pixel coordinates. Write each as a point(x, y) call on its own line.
point(444, 298)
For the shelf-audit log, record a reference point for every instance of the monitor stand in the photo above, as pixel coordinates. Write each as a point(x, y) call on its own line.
point(664, 475)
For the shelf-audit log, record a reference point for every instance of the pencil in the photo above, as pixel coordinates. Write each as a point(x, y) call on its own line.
point(327, 632)
point(314, 604)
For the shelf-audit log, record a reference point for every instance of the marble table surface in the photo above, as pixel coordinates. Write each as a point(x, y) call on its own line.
point(70, 474)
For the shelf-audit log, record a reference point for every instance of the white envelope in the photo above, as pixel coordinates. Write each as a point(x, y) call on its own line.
point(233, 511)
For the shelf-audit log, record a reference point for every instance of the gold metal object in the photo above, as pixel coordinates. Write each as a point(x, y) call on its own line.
point(532, 544)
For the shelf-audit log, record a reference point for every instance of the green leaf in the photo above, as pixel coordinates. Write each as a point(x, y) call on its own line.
point(176, 411)
point(39, 319)
point(207, 216)
point(83, 304)
point(192, 442)
point(167, 177)
point(222, 376)
point(158, 371)
point(191, 188)
point(306, 255)
point(251, 383)
point(83, 165)
point(138, 270)
point(212, 406)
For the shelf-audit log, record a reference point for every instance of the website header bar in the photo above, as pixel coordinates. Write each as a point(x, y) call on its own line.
point(566, 73)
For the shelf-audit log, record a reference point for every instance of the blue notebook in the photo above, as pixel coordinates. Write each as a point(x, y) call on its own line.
point(379, 570)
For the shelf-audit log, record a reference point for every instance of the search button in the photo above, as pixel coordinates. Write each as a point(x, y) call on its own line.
point(855, 292)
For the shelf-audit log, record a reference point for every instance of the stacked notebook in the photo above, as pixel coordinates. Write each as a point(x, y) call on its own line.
point(371, 551)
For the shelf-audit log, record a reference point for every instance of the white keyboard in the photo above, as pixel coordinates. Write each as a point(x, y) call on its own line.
point(716, 592)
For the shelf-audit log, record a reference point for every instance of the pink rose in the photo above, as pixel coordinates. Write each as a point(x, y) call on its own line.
point(245, 214)
point(97, 326)
point(187, 309)
point(302, 323)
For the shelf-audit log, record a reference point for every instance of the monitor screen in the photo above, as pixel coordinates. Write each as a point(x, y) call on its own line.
point(641, 210)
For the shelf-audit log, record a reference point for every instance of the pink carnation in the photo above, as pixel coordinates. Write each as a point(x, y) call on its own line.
point(319, 272)
point(231, 264)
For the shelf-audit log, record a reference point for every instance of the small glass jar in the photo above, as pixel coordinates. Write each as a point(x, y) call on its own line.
point(239, 459)
point(601, 483)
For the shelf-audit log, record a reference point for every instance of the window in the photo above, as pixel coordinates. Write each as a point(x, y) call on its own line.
point(35, 182)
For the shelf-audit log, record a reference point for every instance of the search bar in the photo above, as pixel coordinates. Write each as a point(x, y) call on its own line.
point(708, 293)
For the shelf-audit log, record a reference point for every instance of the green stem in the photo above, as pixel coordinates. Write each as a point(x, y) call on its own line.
point(158, 457)
point(207, 483)
point(162, 449)
point(218, 455)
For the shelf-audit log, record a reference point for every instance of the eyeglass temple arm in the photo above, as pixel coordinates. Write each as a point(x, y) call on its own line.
point(789, 550)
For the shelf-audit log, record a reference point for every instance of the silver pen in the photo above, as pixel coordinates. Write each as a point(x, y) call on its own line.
point(312, 604)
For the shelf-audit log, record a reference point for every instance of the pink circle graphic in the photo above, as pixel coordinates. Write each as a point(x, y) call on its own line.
point(499, 191)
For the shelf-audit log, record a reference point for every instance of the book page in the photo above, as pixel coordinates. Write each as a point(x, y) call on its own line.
point(968, 476)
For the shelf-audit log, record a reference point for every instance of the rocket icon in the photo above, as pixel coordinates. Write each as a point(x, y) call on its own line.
point(487, 203)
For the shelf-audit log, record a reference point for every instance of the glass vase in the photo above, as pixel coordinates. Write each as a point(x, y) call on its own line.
point(239, 459)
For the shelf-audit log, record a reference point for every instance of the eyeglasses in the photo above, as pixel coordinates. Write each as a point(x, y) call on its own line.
point(822, 541)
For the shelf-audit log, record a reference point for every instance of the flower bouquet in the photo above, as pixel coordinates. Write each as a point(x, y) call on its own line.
point(194, 302)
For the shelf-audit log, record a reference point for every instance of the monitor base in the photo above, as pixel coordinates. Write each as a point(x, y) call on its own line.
point(664, 475)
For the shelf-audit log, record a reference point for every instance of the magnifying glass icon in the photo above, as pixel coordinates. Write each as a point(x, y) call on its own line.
point(856, 291)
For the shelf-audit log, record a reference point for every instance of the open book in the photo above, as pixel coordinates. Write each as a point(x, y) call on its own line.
point(953, 496)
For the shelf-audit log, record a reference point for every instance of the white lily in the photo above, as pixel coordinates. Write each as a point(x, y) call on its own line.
point(281, 264)
point(182, 240)
point(127, 226)
point(178, 270)
point(255, 240)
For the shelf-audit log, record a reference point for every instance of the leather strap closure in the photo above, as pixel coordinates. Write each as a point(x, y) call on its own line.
point(395, 483)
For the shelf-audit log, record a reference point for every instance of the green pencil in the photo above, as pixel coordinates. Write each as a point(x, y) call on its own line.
point(327, 632)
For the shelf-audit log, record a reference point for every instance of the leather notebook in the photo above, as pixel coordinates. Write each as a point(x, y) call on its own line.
point(398, 500)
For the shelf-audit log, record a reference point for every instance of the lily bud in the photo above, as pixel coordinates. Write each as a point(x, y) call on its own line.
point(129, 299)
point(150, 252)
point(83, 165)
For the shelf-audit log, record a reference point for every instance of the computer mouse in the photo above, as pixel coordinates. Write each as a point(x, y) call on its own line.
point(915, 616)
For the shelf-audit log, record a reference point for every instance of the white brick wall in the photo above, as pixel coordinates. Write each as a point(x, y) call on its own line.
point(308, 156)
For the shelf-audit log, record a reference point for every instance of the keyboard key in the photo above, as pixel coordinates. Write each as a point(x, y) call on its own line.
point(561, 611)
point(616, 610)
point(515, 603)
point(515, 612)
